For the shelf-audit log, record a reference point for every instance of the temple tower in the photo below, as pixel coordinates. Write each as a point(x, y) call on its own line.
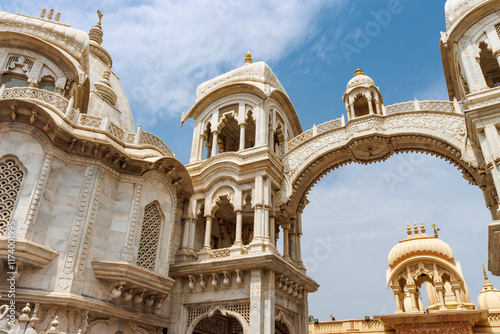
point(229, 258)
point(470, 50)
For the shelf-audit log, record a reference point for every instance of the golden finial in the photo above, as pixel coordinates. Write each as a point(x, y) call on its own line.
point(408, 229)
point(100, 15)
point(422, 227)
point(248, 58)
point(359, 72)
point(415, 228)
point(436, 230)
point(484, 271)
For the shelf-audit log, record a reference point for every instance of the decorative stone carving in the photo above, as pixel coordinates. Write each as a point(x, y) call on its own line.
point(150, 234)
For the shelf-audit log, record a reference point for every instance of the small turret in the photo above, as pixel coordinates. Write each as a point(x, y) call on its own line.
point(362, 97)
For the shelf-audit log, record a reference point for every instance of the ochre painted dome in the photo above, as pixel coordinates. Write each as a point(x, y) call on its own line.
point(455, 9)
point(419, 244)
point(360, 78)
point(489, 297)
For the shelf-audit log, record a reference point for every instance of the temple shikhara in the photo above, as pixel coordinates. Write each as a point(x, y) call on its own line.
point(103, 230)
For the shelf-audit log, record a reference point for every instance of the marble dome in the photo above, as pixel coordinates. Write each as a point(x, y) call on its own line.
point(360, 78)
point(455, 9)
point(489, 297)
point(419, 244)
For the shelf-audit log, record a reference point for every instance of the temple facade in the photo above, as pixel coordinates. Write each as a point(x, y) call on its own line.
point(103, 230)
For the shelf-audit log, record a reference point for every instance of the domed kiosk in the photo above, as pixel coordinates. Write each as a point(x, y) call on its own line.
point(362, 97)
point(419, 259)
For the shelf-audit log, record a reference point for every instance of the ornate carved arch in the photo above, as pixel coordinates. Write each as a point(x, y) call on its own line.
point(374, 139)
point(222, 309)
point(287, 320)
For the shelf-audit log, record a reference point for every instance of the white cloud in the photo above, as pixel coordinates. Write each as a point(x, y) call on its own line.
point(356, 215)
point(163, 49)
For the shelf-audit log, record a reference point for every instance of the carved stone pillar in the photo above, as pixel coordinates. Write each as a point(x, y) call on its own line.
point(286, 247)
point(185, 234)
point(267, 207)
point(397, 292)
point(370, 106)
point(208, 233)
point(257, 226)
point(239, 225)
point(272, 230)
point(262, 285)
point(414, 295)
point(377, 106)
point(214, 143)
point(242, 136)
point(456, 289)
point(440, 291)
point(192, 232)
point(200, 147)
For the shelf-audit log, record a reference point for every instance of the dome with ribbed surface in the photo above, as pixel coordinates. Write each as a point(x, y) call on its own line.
point(455, 9)
point(419, 244)
point(489, 297)
point(360, 78)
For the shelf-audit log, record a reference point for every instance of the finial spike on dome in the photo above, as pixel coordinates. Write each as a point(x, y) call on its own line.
point(484, 272)
point(100, 15)
point(359, 72)
point(248, 58)
point(408, 229)
point(436, 230)
point(415, 228)
point(422, 227)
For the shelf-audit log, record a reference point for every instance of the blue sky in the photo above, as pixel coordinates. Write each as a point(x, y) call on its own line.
point(163, 49)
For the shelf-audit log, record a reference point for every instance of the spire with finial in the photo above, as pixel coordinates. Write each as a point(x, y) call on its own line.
point(54, 326)
point(436, 230)
point(248, 58)
point(484, 272)
point(422, 227)
point(43, 12)
point(359, 72)
point(95, 33)
point(49, 15)
point(415, 228)
point(408, 229)
point(104, 88)
point(25, 313)
point(100, 15)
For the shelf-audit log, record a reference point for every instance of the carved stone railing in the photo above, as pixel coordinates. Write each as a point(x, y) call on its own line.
point(304, 136)
point(431, 105)
point(151, 139)
point(64, 108)
point(412, 106)
point(42, 95)
point(220, 253)
point(347, 326)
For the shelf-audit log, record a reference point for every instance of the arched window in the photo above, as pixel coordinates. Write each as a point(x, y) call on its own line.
point(361, 106)
point(229, 138)
point(47, 83)
point(489, 66)
point(11, 81)
point(11, 176)
point(150, 236)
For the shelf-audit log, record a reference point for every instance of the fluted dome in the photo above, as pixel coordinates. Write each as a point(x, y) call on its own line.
point(455, 9)
point(489, 297)
point(419, 244)
point(359, 79)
